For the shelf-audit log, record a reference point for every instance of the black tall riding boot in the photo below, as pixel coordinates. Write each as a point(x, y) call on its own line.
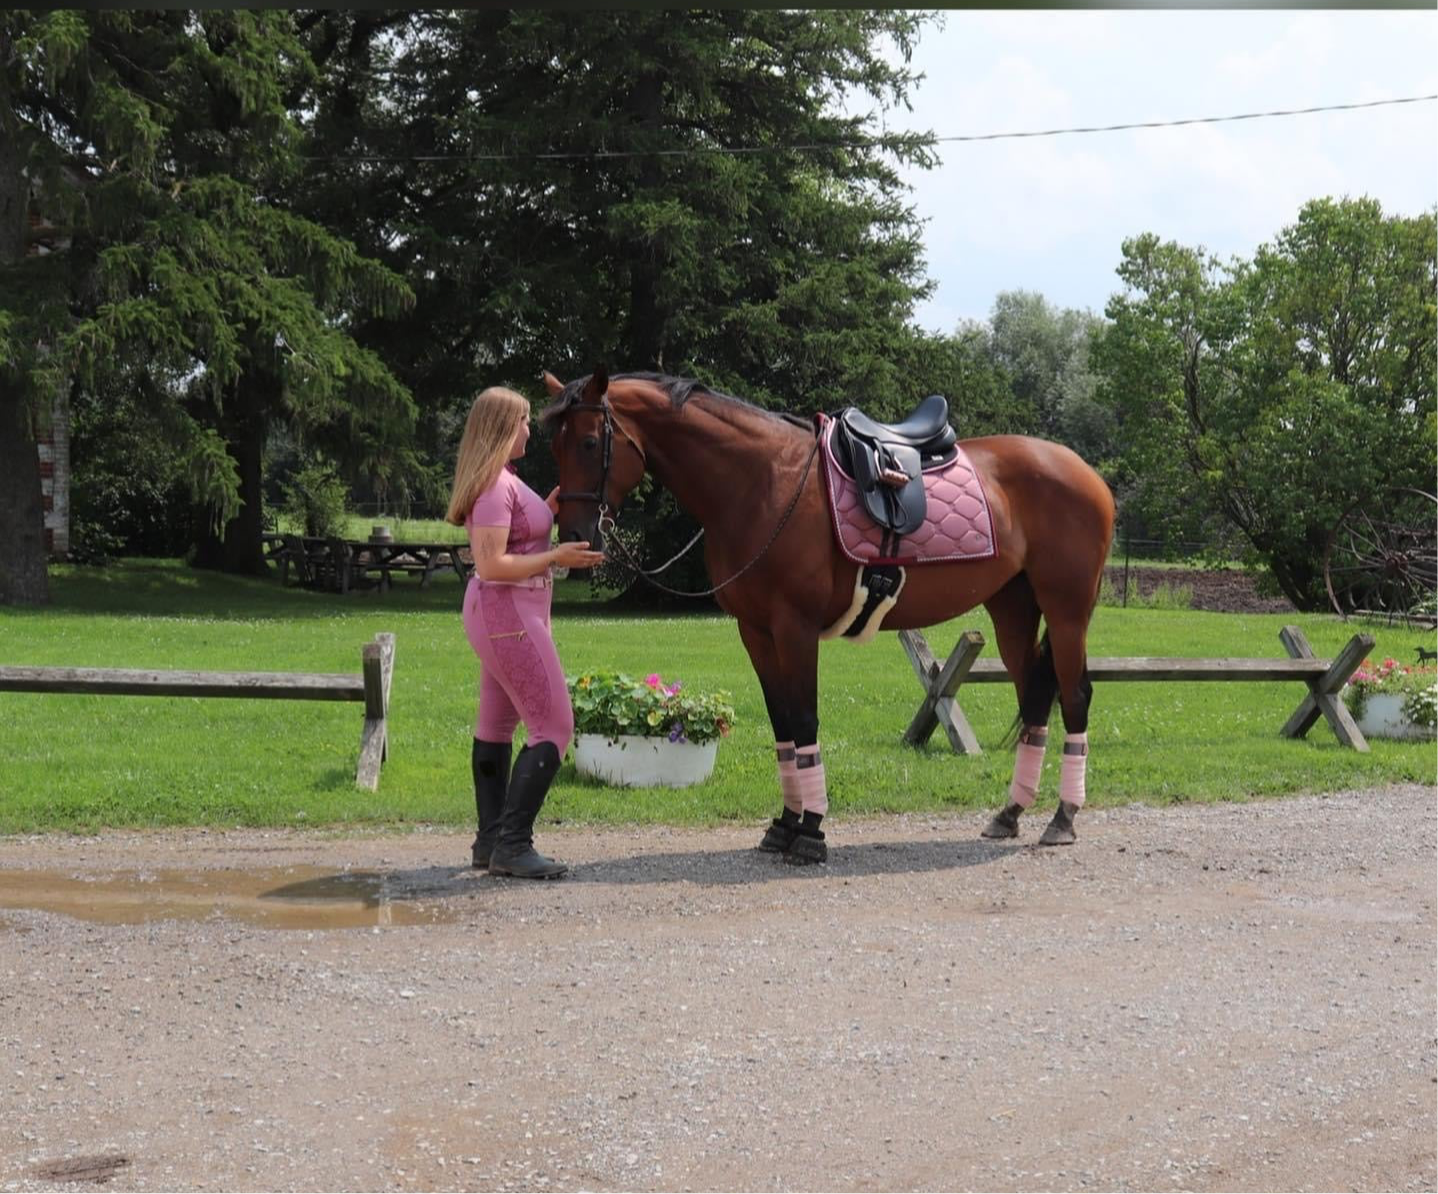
point(489, 762)
point(514, 852)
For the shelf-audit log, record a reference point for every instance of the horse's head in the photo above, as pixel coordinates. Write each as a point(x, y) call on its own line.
point(599, 459)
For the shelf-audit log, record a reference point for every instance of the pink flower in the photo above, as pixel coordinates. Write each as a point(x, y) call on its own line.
point(653, 680)
point(674, 688)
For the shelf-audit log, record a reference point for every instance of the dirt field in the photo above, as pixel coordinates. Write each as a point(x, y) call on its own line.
point(1231, 997)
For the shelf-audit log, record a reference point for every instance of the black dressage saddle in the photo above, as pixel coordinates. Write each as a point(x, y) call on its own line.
point(887, 460)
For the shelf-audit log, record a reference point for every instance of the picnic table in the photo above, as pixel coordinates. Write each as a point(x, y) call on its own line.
point(343, 564)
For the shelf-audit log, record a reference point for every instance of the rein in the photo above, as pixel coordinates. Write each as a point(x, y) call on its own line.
point(648, 574)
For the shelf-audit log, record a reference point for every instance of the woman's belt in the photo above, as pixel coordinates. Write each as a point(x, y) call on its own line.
point(542, 581)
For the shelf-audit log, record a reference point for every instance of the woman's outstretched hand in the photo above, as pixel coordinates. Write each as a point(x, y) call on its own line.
point(577, 555)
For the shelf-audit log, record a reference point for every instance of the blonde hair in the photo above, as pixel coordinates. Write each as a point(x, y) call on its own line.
point(489, 433)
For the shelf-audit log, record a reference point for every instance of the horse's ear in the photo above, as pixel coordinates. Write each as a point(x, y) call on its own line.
point(597, 385)
point(553, 384)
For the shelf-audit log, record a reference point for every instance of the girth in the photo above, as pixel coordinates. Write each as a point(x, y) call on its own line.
point(887, 460)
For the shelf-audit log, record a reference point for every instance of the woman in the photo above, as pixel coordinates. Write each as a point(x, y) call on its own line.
point(506, 618)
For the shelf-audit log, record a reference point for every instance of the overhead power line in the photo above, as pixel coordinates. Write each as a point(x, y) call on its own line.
point(893, 139)
point(1168, 124)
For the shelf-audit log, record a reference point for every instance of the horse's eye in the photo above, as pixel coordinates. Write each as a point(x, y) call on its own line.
point(590, 443)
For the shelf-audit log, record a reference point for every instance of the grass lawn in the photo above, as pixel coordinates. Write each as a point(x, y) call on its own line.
point(81, 762)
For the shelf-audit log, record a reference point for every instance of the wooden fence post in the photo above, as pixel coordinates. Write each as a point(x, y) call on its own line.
point(377, 659)
point(1323, 692)
point(940, 707)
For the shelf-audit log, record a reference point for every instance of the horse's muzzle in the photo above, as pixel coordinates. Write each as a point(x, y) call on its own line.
point(589, 533)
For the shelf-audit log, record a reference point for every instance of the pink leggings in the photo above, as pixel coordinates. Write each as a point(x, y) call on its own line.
point(521, 680)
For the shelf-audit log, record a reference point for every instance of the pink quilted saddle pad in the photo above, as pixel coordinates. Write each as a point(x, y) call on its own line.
point(957, 527)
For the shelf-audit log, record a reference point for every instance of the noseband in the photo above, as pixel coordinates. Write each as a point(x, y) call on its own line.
point(606, 459)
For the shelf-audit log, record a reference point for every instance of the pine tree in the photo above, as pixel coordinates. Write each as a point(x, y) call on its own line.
point(559, 187)
point(652, 190)
point(167, 141)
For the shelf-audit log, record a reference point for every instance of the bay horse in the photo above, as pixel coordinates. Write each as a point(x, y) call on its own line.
point(748, 476)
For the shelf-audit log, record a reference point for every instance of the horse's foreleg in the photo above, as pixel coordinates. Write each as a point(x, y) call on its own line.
point(1075, 695)
point(782, 831)
point(798, 654)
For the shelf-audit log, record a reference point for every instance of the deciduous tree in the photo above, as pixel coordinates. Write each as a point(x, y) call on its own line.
point(1281, 390)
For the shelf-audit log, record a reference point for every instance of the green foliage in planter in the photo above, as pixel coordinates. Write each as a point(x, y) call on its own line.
point(612, 703)
point(1394, 678)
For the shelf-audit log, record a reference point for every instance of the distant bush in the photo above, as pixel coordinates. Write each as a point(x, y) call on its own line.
point(1164, 596)
point(315, 499)
point(128, 490)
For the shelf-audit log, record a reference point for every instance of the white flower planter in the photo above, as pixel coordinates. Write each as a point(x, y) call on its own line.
point(630, 761)
point(1383, 718)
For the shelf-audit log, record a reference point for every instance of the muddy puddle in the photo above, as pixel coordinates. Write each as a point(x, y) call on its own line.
point(297, 897)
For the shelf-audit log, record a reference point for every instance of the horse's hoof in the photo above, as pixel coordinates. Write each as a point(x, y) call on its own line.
point(1060, 831)
point(1004, 824)
point(806, 850)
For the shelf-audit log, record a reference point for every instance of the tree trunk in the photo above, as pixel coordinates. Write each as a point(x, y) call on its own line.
point(1301, 581)
point(237, 547)
point(23, 579)
point(14, 188)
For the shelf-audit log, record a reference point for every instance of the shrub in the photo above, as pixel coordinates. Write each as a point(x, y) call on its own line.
point(315, 500)
point(1164, 596)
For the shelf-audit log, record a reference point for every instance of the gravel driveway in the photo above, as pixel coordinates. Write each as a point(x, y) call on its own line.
point(1221, 997)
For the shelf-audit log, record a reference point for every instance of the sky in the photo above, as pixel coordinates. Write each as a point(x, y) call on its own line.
point(1051, 214)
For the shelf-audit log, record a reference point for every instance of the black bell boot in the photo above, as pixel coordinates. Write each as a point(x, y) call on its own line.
point(781, 833)
point(514, 852)
point(808, 846)
point(489, 763)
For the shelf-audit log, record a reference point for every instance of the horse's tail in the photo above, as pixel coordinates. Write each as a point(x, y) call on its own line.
point(1041, 689)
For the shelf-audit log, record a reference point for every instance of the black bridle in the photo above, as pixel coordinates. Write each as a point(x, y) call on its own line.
point(606, 459)
point(606, 524)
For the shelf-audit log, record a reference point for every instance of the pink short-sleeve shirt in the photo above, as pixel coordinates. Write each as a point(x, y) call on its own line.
point(509, 502)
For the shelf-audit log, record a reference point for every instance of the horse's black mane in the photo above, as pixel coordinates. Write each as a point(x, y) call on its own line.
point(678, 389)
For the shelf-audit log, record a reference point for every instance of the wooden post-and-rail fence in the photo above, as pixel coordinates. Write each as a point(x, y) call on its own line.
point(370, 685)
point(1325, 680)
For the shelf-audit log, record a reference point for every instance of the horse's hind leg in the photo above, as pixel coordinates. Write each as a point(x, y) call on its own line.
point(1070, 653)
point(1015, 614)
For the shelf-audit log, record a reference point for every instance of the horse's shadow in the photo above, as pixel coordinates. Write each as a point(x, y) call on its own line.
point(702, 868)
point(719, 868)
